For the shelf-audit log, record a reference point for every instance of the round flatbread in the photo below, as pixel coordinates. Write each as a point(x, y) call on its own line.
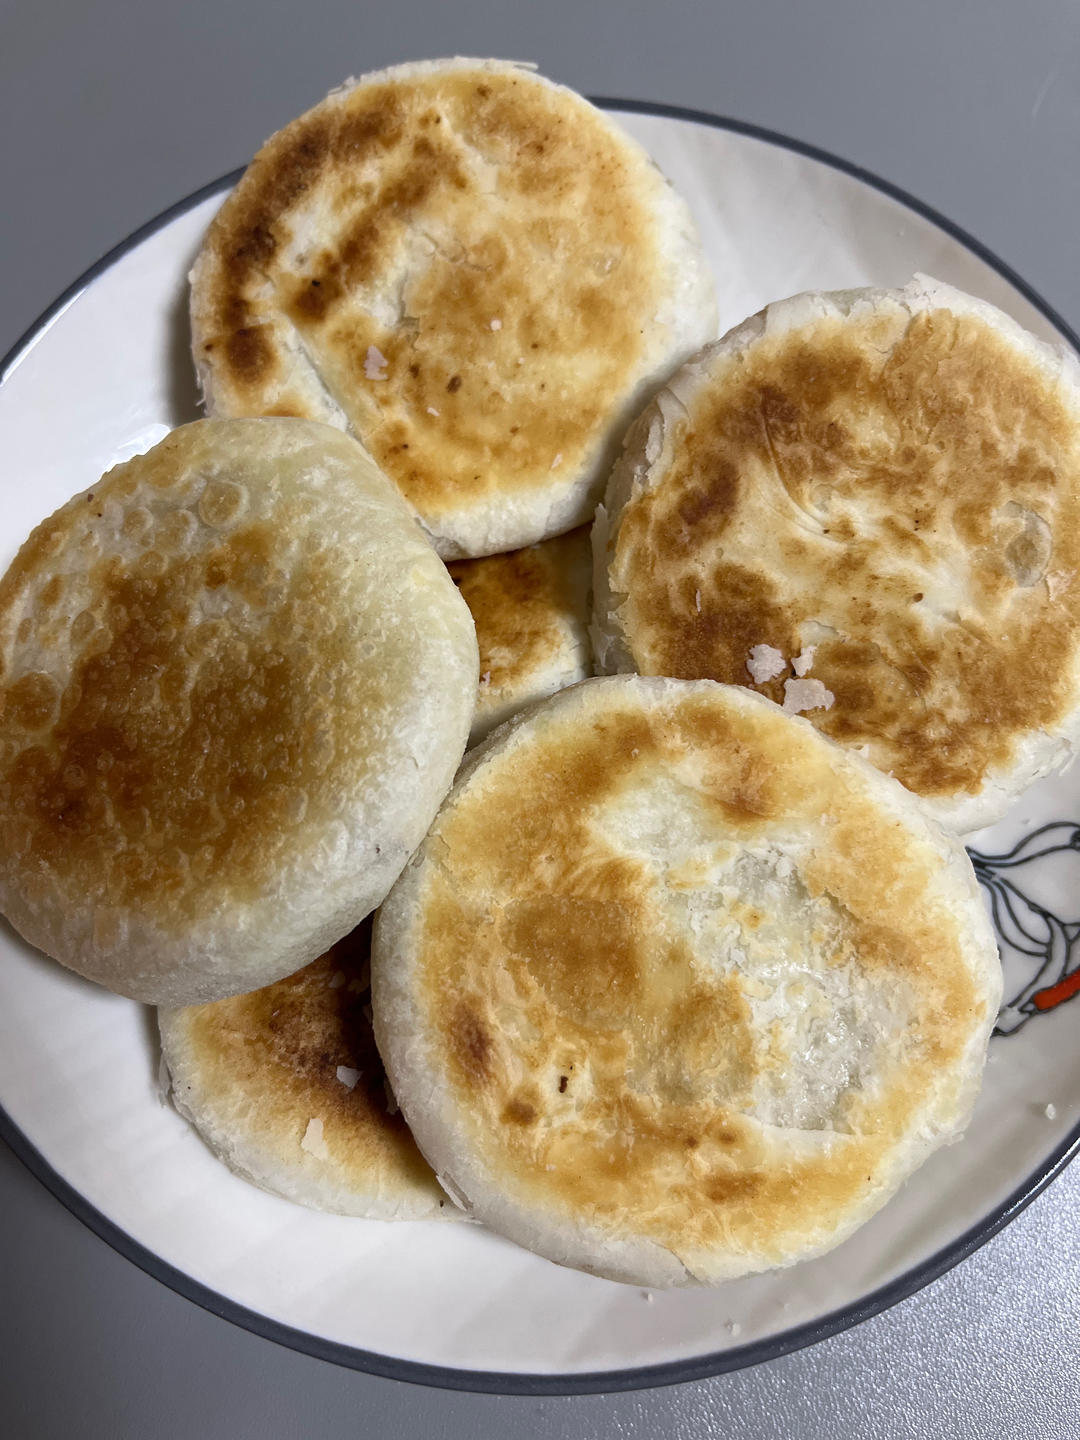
point(531, 609)
point(235, 684)
point(868, 504)
point(473, 270)
point(675, 988)
point(285, 1085)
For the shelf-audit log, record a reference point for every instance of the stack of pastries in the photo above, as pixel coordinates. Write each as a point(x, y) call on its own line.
point(682, 970)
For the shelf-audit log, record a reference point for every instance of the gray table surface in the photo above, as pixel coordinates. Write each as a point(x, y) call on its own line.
point(111, 111)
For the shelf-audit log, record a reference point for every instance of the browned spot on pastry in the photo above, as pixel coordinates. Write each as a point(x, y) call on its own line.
point(519, 1112)
point(472, 1043)
point(250, 353)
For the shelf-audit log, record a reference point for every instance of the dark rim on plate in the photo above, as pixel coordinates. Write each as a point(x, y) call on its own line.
point(505, 1382)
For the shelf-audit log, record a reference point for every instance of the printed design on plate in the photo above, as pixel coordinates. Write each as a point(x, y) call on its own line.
point(1040, 948)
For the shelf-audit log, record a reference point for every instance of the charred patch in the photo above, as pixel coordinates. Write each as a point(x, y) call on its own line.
point(250, 355)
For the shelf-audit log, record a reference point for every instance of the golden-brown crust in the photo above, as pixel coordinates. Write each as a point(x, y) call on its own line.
point(900, 491)
point(622, 1051)
point(258, 1068)
point(128, 741)
point(468, 258)
point(205, 695)
point(531, 609)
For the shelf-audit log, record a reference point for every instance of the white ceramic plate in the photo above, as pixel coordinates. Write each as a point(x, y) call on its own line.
point(103, 376)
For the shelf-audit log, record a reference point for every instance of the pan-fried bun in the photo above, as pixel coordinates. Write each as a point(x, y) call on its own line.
point(285, 1085)
point(884, 486)
point(531, 609)
point(235, 683)
point(473, 270)
point(676, 989)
